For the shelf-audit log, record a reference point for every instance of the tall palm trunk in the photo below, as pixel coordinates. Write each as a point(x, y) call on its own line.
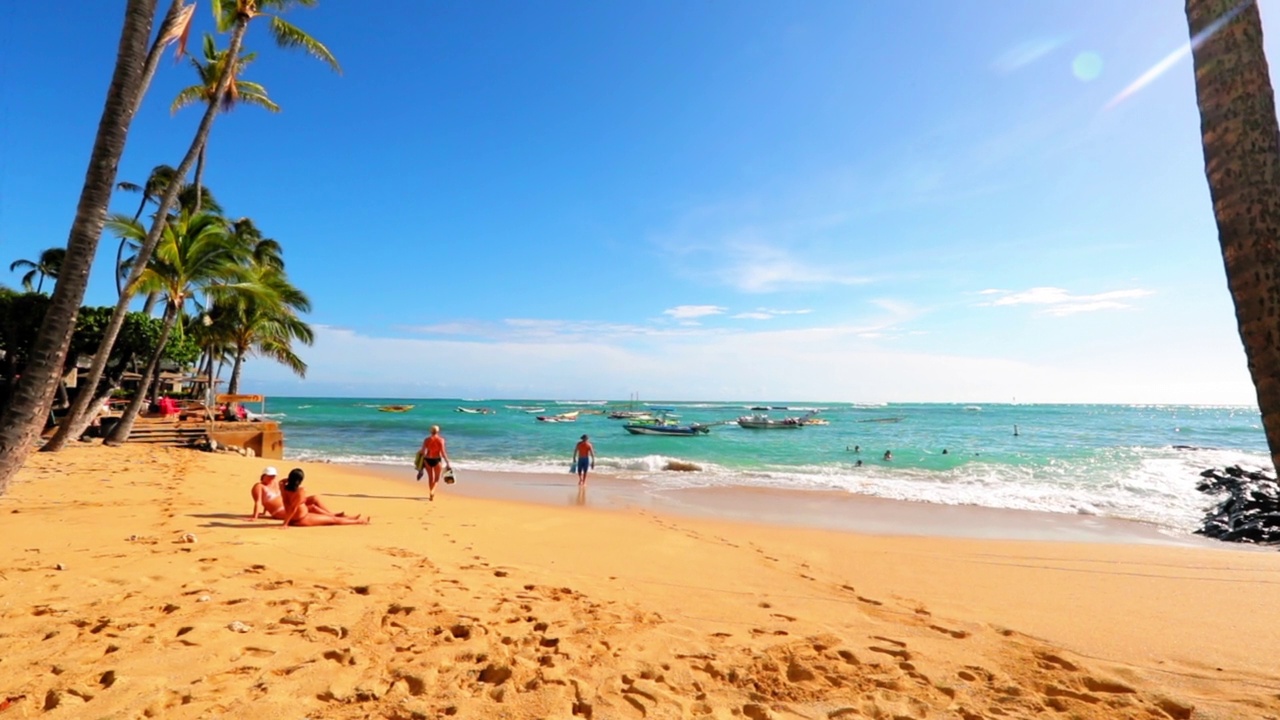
point(120, 432)
point(1241, 142)
point(200, 178)
point(148, 72)
point(112, 329)
point(25, 414)
point(233, 385)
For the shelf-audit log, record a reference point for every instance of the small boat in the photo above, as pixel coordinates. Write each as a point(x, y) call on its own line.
point(476, 410)
point(628, 414)
point(760, 408)
point(562, 417)
point(817, 421)
point(764, 422)
point(395, 408)
point(677, 430)
point(973, 408)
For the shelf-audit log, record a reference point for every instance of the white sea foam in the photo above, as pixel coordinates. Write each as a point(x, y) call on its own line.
point(1155, 485)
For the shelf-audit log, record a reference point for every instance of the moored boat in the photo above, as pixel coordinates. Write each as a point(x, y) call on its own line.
point(764, 422)
point(395, 408)
point(562, 417)
point(677, 430)
point(476, 410)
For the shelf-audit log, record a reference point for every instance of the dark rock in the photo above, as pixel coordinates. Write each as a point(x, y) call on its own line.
point(1249, 511)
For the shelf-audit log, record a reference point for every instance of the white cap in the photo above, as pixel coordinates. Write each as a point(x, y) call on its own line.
point(269, 471)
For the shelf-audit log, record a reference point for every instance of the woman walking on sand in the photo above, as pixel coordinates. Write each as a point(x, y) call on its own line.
point(433, 453)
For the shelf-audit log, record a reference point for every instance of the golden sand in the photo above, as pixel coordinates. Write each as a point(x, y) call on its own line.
point(488, 609)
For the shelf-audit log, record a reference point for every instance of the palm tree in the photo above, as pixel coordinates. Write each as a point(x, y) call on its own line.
point(231, 14)
point(194, 253)
point(1241, 142)
point(24, 415)
point(160, 178)
point(210, 72)
point(266, 323)
point(49, 265)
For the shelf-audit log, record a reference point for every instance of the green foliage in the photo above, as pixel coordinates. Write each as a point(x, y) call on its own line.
point(21, 315)
point(20, 318)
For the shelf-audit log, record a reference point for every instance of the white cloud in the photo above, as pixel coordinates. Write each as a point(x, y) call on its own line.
point(690, 312)
point(1059, 302)
point(755, 267)
point(768, 314)
point(837, 365)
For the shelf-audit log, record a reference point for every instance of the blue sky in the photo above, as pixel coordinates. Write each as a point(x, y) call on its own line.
point(909, 201)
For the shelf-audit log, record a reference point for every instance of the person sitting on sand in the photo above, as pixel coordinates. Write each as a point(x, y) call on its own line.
point(295, 506)
point(266, 493)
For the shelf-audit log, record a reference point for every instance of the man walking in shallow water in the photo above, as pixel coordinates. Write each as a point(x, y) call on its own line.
point(584, 457)
point(433, 453)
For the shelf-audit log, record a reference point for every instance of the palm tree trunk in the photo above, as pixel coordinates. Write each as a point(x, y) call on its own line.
point(148, 72)
point(74, 427)
point(120, 433)
point(112, 329)
point(25, 414)
point(1241, 142)
point(200, 178)
point(233, 386)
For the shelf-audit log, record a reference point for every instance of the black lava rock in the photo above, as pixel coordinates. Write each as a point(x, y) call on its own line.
point(1249, 512)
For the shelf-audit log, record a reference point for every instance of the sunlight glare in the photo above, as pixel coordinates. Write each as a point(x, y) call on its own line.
point(1172, 58)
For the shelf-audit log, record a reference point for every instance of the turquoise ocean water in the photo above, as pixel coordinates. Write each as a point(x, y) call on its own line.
point(1106, 460)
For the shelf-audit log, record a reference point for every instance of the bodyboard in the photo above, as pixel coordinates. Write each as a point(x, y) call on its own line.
point(418, 461)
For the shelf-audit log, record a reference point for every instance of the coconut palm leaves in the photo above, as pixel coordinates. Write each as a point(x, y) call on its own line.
point(48, 265)
point(232, 13)
point(210, 71)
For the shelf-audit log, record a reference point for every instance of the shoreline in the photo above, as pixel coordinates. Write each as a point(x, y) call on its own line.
point(813, 509)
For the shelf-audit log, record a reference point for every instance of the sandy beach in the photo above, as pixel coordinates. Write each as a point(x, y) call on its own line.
point(479, 607)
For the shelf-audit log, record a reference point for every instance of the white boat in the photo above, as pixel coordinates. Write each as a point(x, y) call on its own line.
point(764, 422)
point(476, 410)
point(562, 417)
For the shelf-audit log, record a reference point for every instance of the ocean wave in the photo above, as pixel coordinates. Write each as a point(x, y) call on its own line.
point(1143, 483)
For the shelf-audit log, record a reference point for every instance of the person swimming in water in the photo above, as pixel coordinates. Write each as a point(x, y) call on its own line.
point(296, 511)
point(888, 455)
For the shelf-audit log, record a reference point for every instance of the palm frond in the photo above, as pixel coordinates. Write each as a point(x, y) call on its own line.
point(290, 36)
point(187, 96)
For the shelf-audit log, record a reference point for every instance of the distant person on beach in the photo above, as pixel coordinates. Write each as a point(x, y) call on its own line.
point(944, 451)
point(433, 453)
point(888, 456)
point(584, 457)
point(266, 493)
point(296, 511)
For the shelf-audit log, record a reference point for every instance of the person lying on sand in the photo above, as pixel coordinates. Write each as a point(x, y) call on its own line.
point(266, 493)
point(296, 511)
